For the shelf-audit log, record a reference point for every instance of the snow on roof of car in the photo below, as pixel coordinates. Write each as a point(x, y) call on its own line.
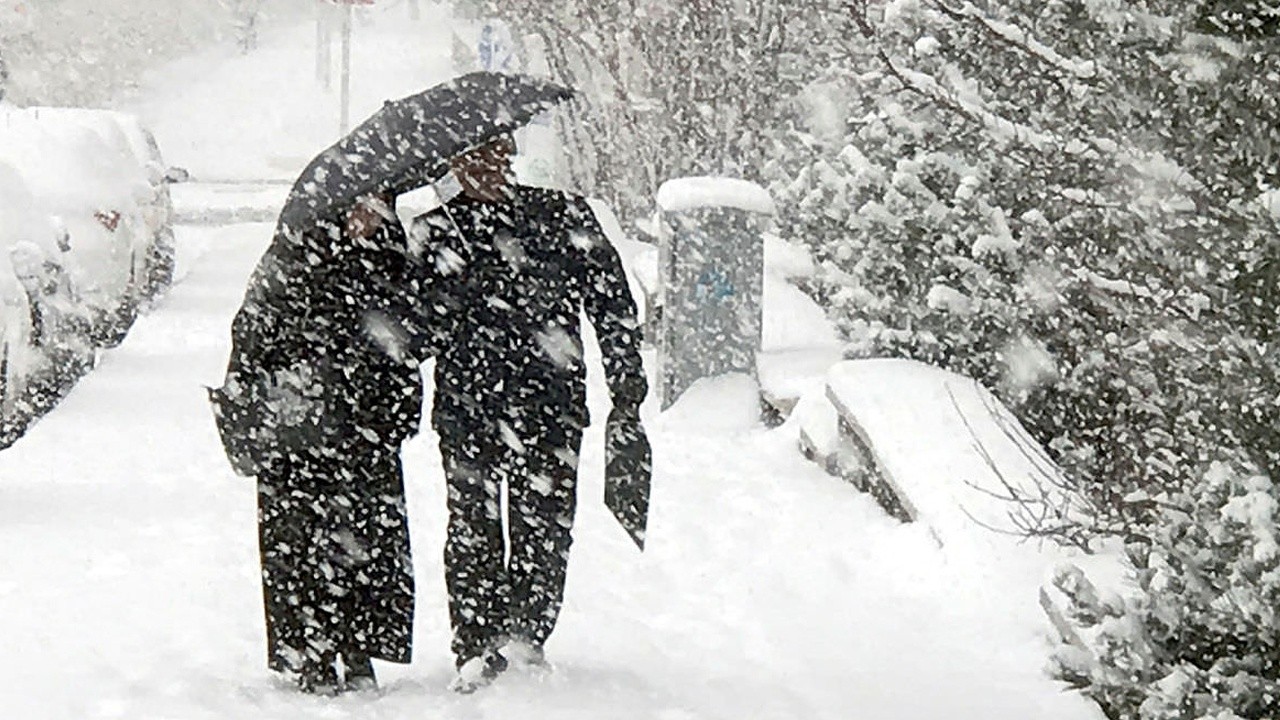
point(121, 130)
point(691, 193)
point(69, 165)
point(140, 138)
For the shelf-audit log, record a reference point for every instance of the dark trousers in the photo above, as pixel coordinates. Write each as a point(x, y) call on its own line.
point(500, 590)
point(337, 576)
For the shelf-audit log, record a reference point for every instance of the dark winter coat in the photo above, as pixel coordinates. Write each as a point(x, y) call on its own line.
point(326, 305)
point(321, 308)
point(510, 280)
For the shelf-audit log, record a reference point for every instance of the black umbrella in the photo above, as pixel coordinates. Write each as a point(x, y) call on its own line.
point(409, 142)
point(628, 467)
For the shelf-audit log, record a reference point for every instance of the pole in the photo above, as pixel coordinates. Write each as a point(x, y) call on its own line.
point(345, 123)
point(324, 39)
point(319, 40)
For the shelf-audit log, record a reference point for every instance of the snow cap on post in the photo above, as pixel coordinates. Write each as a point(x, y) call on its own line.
point(691, 193)
point(711, 261)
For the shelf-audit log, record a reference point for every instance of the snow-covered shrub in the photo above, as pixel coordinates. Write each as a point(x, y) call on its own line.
point(1198, 636)
point(1132, 306)
point(1034, 194)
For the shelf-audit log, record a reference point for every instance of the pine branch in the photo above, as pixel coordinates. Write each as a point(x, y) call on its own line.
point(1070, 70)
point(1087, 148)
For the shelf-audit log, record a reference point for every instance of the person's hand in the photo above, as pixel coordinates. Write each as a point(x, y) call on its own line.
point(367, 216)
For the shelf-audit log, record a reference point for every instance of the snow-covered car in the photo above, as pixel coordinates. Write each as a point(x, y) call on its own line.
point(126, 134)
point(44, 344)
point(17, 356)
point(159, 208)
point(96, 191)
point(36, 245)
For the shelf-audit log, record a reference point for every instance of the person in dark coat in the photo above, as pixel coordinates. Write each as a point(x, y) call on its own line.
point(4, 76)
point(513, 267)
point(319, 370)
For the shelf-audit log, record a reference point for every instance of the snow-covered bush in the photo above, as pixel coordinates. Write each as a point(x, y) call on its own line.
point(1060, 198)
point(1198, 638)
point(1034, 194)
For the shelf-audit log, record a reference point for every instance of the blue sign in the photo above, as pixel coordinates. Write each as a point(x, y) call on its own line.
point(494, 48)
point(714, 285)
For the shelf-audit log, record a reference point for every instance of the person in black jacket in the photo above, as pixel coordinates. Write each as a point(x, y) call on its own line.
point(4, 76)
point(511, 269)
point(326, 393)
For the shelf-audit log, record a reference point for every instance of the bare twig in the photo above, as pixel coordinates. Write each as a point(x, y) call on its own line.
point(1038, 512)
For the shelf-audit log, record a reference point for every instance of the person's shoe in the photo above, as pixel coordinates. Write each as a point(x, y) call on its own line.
point(478, 672)
point(359, 676)
point(526, 655)
point(321, 680)
point(362, 684)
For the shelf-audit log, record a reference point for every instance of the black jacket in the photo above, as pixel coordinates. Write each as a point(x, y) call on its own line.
point(507, 283)
point(329, 303)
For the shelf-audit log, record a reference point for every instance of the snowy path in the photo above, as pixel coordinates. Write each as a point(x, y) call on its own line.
point(770, 590)
point(129, 583)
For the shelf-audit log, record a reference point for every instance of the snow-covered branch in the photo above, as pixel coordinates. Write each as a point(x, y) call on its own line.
point(1045, 509)
point(1151, 165)
point(1078, 70)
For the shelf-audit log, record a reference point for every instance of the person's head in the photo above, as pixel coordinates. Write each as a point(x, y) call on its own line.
point(368, 215)
point(485, 172)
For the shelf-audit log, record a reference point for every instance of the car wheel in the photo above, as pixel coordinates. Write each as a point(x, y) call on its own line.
point(159, 266)
point(110, 328)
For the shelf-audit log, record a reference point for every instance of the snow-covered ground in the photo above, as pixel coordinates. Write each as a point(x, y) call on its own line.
point(128, 562)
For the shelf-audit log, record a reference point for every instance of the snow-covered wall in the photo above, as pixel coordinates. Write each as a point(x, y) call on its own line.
point(86, 52)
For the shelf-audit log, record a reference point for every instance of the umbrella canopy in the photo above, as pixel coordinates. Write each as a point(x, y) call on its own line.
point(409, 142)
point(628, 467)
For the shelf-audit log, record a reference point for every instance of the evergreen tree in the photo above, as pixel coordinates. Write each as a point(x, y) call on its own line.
point(1018, 197)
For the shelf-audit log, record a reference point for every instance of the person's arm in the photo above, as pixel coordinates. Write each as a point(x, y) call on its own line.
point(266, 329)
point(612, 311)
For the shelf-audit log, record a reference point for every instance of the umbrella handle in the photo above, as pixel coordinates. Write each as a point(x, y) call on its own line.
point(453, 222)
